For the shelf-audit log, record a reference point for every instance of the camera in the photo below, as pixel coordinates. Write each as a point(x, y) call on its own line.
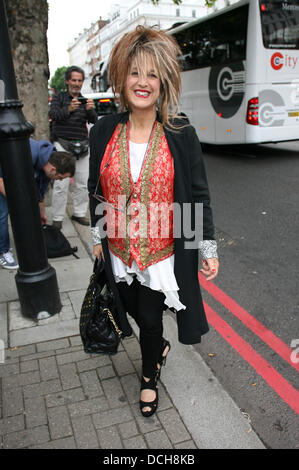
point(82, 99)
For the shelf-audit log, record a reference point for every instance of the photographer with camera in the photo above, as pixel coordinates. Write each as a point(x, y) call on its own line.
point(69, 113)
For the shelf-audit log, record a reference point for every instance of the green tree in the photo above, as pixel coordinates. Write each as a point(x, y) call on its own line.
point(57, 81)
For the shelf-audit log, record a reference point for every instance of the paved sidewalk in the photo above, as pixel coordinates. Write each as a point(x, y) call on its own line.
point(53, 395)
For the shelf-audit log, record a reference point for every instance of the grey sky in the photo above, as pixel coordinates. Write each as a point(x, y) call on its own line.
point(67, 18)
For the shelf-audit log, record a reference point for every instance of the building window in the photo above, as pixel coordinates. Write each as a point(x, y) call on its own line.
point(177, 12)
point(193, 13)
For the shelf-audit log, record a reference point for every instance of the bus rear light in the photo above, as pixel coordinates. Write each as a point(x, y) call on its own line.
point(104, 100)
point(252, 115)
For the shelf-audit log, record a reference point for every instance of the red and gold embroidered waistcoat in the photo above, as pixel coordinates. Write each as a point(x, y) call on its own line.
point(142, 230)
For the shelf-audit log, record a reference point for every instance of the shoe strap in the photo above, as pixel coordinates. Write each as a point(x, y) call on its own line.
point(148, 404)
point(151, 384)
point(162, 359)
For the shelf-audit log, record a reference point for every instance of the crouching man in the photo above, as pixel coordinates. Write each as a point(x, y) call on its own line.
point(48, 164)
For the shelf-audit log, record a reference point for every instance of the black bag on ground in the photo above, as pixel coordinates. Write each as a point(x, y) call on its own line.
point(99, 331)
point(56, 243)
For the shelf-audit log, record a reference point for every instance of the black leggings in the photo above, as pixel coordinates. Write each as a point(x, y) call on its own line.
point(146, 306)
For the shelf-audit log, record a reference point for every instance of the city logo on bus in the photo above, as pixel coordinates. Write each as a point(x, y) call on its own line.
point(279, 60)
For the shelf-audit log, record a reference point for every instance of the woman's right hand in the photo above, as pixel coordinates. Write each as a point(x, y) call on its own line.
point(98, 251)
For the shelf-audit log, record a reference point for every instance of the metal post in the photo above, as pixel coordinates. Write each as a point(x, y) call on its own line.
point(36, 280)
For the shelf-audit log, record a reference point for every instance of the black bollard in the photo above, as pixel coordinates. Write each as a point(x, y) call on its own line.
point(36, 280)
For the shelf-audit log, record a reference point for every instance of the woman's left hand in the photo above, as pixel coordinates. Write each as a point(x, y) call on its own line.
point(210, 268)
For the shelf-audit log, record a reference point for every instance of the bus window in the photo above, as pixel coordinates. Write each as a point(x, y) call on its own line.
point(220, 53)
point(280, 24)
point(207, 43)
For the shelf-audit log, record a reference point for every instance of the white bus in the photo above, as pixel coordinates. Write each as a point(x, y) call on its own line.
point(240, 72)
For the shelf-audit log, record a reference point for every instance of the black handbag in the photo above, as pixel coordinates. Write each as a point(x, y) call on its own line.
point(99, 331)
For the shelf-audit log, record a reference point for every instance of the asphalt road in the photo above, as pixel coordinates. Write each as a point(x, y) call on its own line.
point(255, 201)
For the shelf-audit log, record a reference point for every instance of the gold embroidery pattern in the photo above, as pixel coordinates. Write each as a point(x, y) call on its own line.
point(126, 188)
point(143, 186)
point(146, 256)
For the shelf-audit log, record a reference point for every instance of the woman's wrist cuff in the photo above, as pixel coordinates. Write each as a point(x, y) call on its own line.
point(95, 235)
point(208, 249)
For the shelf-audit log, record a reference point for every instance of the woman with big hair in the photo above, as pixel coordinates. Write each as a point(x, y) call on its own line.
point(143, 160)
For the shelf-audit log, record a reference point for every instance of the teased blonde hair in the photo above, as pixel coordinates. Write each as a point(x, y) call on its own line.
point(141, 44)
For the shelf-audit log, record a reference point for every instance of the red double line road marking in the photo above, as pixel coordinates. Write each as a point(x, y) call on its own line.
point(281, 386)
point(252, 323)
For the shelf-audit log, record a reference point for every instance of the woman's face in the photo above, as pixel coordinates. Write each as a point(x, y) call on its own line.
point(142, 91)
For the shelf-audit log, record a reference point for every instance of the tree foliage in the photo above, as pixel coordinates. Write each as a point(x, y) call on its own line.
point(57, 81)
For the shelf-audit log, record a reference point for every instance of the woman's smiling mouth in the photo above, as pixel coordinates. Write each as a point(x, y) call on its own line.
point(142, 93)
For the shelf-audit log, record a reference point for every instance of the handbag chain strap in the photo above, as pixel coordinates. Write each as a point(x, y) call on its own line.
point(118, 331)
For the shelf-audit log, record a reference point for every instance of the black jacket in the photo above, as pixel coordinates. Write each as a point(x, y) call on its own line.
point(66, 125)
point(190, 185)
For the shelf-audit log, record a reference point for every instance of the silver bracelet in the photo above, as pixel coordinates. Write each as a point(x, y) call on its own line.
point(95, 235)
point(208, 249)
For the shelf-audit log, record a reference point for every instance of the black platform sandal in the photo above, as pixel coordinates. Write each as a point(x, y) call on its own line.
point(162, 359)
point(151, 385)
